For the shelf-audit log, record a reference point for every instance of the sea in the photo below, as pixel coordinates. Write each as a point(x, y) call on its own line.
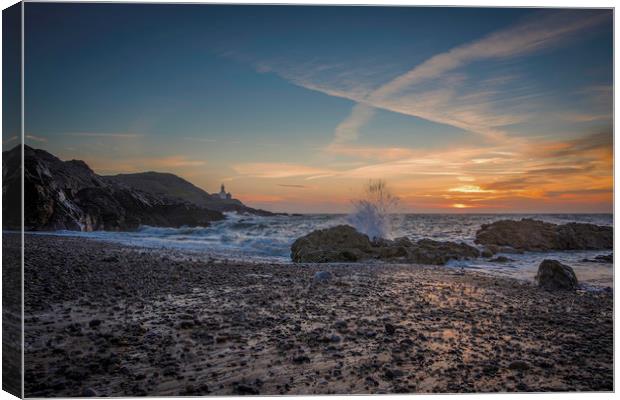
point(269, 239)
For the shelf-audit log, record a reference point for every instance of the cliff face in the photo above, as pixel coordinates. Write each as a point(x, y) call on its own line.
point(69, 195)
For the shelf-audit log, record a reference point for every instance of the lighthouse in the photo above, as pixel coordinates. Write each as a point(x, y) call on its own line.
point(223, 195)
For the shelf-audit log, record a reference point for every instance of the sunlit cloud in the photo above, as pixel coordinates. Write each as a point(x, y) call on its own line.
point(293, 186)
point(177, 163)
point(279, 170)
point(470, 189)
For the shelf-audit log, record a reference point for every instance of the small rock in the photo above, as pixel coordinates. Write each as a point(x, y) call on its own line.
point(391, 374)
point(322, 276)
point(246, 390)
point(94, 323)
point(335, 339)
point(90, 392)
point(486, 253)
point(519, 365)
point(301, 359)
point(341, 325)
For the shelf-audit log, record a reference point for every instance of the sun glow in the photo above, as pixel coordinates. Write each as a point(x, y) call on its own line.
point(470, 189)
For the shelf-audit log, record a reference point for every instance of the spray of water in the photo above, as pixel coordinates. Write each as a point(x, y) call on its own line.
point(373, 214)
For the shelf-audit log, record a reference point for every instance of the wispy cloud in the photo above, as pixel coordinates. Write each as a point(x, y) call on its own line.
point(178, 161)
point(434, 90)
point(294, 186)
point(36, 138)
point(106, 135)
point(521, 39)
point(279, 170)
point(201, 139)
point(174, 163)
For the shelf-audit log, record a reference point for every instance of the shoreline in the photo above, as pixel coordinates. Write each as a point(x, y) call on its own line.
point(124, 321)
point(485, 266)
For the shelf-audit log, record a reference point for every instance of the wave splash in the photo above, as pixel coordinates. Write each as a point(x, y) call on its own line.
point(373, 214)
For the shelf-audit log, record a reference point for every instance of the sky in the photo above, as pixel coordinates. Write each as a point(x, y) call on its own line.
point(296, 108)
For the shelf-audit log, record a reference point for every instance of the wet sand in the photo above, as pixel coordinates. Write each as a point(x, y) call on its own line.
point(119, 321)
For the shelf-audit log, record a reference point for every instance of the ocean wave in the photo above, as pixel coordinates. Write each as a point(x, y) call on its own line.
point(270, 238)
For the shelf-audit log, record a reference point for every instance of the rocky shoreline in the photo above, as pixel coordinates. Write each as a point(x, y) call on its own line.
point(104, 319)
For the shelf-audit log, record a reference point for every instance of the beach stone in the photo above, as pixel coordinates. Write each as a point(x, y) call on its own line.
point(94, 323)
point(486, 253)
point(341, 324)
point(552, 274)
point(533, 235)
point(301, 359)
point(90, 392)
point(322, 276)
point(519, 365)
point(246, 390)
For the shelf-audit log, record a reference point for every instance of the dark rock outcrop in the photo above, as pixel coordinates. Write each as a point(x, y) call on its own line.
point(427, 251)
point(69, 195)
point(338, 244)
point(532, 235)
point(576, 236)
point(345, 244)
point(554, 275)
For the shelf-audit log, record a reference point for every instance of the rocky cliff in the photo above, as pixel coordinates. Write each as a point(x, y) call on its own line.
point(69, 195)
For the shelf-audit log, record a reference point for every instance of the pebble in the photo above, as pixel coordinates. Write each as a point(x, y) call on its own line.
point(322, 276)
point(90, 392)
point(519, 365)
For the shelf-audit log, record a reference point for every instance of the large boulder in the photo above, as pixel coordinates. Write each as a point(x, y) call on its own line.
point(338, 244)
point(554, 275)
point(345, 244)
point(532, 235)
